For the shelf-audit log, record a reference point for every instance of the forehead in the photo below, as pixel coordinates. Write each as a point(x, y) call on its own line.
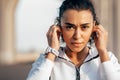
point(77, 16)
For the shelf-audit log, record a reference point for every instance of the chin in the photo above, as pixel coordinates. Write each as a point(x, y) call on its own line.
point(77, 49)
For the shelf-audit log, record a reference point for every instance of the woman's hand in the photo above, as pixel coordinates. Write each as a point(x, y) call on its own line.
point(100, 38)
point(53, 36)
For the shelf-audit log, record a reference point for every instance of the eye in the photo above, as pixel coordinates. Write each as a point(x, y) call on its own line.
point(84, 27)
point(70, 27)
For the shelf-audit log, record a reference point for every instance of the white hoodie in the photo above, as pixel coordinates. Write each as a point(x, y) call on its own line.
point(63, 69)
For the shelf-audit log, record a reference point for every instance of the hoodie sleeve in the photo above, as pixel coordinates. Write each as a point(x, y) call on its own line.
point(110, 70)
point(41, 69)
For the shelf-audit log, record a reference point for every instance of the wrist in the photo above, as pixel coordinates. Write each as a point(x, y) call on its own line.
point(51, 50)
point(50, 56)
point(103, 55)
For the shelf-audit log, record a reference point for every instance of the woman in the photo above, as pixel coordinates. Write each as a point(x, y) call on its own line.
point(77, 25)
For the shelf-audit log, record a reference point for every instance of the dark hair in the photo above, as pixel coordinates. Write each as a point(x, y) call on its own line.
point(77, 5)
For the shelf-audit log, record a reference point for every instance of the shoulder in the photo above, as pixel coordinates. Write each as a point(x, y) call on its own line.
point(111, 55)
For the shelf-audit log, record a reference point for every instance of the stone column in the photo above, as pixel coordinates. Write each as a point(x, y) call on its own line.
point(116, 27)
point(7, 50)
point(106, 19)
point(108, 12)
point(104, 13)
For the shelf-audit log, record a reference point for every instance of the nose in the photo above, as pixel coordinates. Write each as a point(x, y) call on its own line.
point(77, 34)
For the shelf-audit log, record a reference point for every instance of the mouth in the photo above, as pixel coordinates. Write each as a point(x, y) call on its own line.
point(77, 44)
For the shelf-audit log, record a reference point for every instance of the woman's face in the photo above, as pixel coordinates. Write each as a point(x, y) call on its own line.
point(77, 27)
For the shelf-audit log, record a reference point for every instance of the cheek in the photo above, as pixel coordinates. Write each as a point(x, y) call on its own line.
point(67, 36)
point(87, 36)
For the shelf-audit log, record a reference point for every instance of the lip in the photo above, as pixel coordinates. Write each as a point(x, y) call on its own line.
point(77, 44)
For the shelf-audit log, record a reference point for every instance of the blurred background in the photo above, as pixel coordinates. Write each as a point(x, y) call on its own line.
point(23, 27)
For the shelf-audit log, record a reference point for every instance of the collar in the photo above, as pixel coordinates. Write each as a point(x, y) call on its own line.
point(92, 53)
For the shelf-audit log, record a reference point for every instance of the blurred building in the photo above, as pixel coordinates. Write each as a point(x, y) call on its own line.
point(107, 11)
point(7, 51)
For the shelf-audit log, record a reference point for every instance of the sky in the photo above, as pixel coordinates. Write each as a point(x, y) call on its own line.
point(32, 21)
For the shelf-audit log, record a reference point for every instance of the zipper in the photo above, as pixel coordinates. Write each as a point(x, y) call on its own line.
point(77, 73)
point(77, 68)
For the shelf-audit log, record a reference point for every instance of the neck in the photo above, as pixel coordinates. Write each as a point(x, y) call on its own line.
point(77, 57)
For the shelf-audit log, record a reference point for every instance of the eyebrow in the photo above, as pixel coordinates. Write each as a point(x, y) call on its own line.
point(69, 24)
point(84, 24)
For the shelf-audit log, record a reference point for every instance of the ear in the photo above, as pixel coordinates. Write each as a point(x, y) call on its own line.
point(58, 21)
point(94, 23)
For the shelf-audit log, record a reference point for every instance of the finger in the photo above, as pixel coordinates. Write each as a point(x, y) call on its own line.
point(49, 32)
point(51, 28)
point(54, 30)
point(98, 33)
point(101, 28)
point(57, 31)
